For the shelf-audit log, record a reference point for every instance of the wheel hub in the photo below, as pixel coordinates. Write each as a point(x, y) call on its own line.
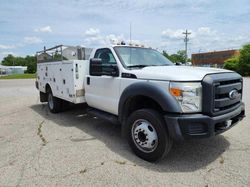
point(144, 135)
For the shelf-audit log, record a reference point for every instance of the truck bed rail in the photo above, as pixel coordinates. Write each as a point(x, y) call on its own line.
point(63, 52)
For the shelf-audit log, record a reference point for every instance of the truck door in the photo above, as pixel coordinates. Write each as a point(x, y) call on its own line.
point(102, 92)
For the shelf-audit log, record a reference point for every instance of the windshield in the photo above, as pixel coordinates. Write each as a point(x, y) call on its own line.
point(141, 57)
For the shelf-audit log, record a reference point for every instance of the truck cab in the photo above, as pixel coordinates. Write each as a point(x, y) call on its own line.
point(154, 101)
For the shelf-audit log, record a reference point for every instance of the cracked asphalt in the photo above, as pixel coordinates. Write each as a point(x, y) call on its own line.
point(38, 148)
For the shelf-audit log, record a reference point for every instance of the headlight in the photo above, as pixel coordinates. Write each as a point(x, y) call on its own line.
point(188, 95)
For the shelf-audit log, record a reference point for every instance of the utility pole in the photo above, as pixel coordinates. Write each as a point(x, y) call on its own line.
point(186, 39)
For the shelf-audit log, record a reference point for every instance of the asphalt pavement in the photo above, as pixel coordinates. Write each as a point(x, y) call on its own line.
point(38, 148)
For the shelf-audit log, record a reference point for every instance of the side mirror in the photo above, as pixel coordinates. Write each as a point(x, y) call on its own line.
point(97, 68)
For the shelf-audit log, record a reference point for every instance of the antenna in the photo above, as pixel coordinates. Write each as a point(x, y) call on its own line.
point(130, 32)
point(130, 42)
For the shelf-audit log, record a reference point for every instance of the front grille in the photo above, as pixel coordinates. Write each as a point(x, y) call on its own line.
point(222, 101)
point(216, 89)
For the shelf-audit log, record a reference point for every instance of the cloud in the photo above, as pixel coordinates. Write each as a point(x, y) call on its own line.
point(175, 34)
point(152, 6)
point(114, 39)
point(44, 29)
point(214, 23)
point(200, 39)
point(205, 31)
point(92, 32)
point(32, 40)
point(178, 33)
point(94, 41)
point(7, 53)
point(7, 46)
point(94, 38)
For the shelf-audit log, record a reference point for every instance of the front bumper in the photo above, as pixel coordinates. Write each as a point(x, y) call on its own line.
point(184, 126)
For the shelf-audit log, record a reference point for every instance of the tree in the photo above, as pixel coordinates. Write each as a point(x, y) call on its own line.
point(29, 61)
point(166, 54)
point(232, 63)
point(241, 62)
point(244, 60)
point(181, 56)
point(178, 57)
point(9, 60)
point(31, 64)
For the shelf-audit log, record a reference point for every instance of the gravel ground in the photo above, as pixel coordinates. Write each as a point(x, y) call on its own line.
point(38, 148)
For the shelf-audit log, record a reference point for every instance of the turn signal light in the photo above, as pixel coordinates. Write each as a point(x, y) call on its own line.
point(175, 92)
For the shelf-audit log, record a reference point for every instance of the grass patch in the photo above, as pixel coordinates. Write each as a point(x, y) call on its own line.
point(19, 76)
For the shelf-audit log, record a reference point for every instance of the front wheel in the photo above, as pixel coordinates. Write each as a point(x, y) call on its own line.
point(147, 135)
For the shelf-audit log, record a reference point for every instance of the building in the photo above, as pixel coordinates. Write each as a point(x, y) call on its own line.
point(7, 70)
point(213, 59)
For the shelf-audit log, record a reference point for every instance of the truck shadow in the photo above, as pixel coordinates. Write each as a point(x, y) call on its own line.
point(186, 156)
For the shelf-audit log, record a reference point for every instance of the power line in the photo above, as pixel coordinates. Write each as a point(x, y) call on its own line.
point(186, 39)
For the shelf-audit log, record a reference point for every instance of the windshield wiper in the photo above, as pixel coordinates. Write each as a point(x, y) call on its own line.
point(143, 66)
point(166, 65)
point(137, 66)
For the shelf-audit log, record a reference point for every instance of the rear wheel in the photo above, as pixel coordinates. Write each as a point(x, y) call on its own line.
point(147, 135)
point(54, 103)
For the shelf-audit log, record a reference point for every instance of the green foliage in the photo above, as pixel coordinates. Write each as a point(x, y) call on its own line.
point(244, 60)
point(240, 63)
point(29, 61)
point(166, 54)
point(19, 76)
point(178, 57)
point(232, 63)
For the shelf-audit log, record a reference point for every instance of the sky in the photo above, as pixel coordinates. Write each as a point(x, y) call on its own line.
point(28, 25)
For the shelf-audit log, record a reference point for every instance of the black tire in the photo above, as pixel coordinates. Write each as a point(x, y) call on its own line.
point(54, 103)
point(154, 122)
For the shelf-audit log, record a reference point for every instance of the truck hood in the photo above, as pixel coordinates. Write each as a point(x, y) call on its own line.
point(176, 73)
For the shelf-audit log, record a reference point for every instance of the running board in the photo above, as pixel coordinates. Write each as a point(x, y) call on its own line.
point(103, 115)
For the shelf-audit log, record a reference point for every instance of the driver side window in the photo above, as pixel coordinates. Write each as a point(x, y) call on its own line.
point(106, 56)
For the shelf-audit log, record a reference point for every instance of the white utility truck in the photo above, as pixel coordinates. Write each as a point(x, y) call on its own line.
point(154, 100)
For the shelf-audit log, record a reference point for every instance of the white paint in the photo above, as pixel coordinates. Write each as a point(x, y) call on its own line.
point(104, 92)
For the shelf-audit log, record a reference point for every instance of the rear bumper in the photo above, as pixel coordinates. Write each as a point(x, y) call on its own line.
point(202, 126)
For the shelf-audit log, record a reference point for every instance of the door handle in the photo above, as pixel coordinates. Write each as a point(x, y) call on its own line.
point(88, 80)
